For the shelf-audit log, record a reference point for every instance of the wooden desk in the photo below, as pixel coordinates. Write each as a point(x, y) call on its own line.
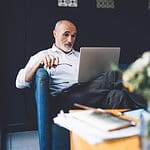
point(77, 143)
point(130, 143)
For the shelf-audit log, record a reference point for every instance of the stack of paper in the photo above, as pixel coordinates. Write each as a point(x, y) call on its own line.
point(94, 128)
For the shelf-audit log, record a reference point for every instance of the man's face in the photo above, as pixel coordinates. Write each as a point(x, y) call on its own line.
point(65, 35)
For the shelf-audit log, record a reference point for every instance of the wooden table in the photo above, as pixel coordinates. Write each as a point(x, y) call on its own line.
point(131, 143)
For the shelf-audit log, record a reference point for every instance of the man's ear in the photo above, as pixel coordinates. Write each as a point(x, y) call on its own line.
point(54, 33)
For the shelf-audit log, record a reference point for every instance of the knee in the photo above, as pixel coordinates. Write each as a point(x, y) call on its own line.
point(115, 99)
point(41, 73)
point(115, 93)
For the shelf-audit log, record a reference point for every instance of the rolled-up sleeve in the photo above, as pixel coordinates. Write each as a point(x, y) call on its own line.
point(20, 80)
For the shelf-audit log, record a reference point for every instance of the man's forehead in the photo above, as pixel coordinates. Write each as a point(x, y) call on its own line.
point(68, 27)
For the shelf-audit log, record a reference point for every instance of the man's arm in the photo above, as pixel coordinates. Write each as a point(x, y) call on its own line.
point(31, 71)
point(48, 61)
point(25, 76)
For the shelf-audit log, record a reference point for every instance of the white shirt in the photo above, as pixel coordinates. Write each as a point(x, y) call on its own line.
point(61, 77)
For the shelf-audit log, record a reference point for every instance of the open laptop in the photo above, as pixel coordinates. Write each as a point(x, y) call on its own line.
point(96, 60)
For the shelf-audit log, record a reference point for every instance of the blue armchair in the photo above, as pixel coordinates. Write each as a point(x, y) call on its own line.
point(51, 136)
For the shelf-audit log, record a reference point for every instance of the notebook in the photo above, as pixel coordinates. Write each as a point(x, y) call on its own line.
point(96, 60)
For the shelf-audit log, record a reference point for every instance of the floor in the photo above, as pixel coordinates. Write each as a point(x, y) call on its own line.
point(27, 140)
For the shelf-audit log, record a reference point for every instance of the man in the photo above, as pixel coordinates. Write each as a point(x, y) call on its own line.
point(61, 62)
point(60, 59)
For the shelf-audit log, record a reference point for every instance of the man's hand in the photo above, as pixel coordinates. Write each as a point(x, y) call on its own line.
point(49, 61)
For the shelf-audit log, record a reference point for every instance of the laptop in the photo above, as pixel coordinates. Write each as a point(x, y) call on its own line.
point(96, 60)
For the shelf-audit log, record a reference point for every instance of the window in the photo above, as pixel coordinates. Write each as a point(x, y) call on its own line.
point(68, 3)
point(105, 4)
